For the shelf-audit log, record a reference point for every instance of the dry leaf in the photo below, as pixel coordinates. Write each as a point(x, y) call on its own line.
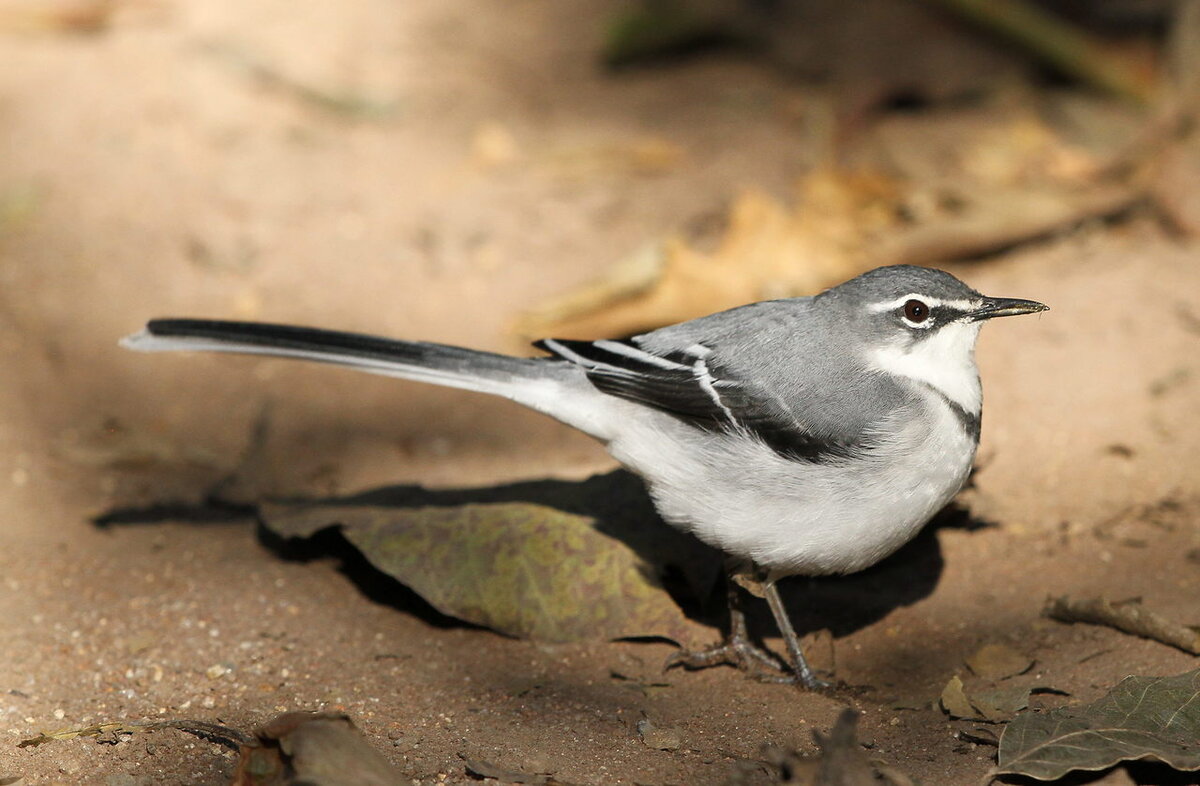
point(1000, 705)
point(993, 706)
point(1141, 718)
point(997, 661)
point(768, 250)
point(519, 568)
point(315, 748)
point(844, 223)
point(954, 700)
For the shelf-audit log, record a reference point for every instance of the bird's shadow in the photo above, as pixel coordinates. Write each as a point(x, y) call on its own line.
point(620, 507)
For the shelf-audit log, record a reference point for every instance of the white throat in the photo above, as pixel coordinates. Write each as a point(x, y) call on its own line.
point(945, 361)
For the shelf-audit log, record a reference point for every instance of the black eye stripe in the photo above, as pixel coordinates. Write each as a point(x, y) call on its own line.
point(938, 315)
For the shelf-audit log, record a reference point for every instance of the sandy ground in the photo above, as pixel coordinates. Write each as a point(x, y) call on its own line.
point(147, 172)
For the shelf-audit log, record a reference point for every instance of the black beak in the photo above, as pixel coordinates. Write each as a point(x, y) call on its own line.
point(1005, 307)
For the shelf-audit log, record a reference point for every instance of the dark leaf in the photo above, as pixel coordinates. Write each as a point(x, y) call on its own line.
point(1141, 718)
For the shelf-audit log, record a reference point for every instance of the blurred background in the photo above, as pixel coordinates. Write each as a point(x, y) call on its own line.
point(486, 173)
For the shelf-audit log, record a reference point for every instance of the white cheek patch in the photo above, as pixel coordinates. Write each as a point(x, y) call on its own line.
point(944, 360)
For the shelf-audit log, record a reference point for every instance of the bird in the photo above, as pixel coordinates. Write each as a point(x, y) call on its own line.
point(800, 436)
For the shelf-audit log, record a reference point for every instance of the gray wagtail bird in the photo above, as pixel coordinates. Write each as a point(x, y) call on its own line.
point(810, 436)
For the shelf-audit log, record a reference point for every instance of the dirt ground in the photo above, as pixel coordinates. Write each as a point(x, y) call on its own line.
point(153, 169)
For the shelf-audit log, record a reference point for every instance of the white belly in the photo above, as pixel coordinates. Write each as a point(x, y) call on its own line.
point(801, 518)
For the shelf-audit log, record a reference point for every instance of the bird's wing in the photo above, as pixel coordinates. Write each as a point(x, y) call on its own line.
point(692, 384)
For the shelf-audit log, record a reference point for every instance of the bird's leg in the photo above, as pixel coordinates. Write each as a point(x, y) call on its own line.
point(803, 672)
point(736, 650)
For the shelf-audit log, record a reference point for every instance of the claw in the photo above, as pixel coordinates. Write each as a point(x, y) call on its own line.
point(734, 651)
point(740, 652)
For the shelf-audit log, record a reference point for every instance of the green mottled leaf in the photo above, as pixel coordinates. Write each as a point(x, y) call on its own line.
point(1141, 718)
point(519, 568)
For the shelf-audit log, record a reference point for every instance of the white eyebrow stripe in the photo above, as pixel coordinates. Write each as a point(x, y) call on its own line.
point(617, 348)
point(932, 302)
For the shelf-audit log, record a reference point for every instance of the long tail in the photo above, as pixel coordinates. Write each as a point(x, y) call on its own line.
point(486, 372)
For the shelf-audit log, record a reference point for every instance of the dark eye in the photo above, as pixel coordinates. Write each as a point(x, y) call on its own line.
point(916, 311)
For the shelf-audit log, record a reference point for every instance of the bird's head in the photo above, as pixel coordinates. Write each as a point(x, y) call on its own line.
point(921, 324)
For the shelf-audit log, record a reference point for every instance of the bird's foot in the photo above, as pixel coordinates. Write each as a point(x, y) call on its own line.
point(735, 651)
point(744, 655)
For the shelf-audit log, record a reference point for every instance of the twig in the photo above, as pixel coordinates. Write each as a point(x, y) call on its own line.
point(1002, 221)
point(213, 732)
point(344, 103)
point(1067, 48)
point(1132, 617)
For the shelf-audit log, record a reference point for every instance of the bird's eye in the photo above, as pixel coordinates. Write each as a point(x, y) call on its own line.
point(916, 311)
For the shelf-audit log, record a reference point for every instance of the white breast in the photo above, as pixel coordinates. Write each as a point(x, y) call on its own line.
point(792, 517)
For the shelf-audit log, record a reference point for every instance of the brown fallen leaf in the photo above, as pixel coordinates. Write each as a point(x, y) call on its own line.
point(768, 250)
point(1130, 617)
point(1001, 704)
point(844, 223)
point(997, 661)
point(997, 705)
point(954, 700)
point(522, 569)
point(312, 748)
